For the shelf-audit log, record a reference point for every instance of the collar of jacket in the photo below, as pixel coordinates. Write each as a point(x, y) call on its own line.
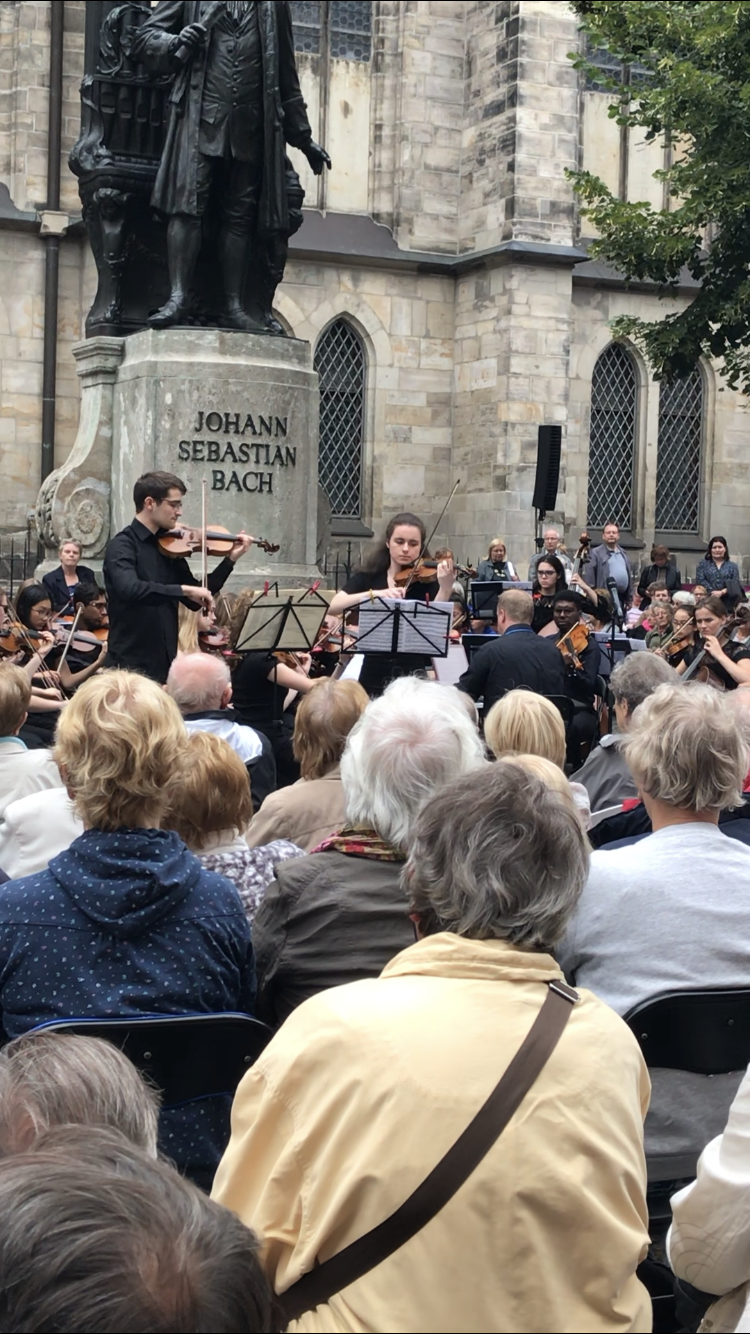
point(449, 955)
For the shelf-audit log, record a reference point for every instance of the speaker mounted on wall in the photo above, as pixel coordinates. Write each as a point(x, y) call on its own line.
point(548, 454)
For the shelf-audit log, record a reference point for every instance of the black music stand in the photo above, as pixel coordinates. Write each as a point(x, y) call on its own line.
point(389, 627)
point(291, 624)
point(473, 643)
point(485, 592)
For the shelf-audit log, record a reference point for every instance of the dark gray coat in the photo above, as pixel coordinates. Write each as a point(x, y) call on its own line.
point(284, 110)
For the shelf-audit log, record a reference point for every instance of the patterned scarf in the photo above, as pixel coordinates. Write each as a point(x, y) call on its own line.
point(361, 841)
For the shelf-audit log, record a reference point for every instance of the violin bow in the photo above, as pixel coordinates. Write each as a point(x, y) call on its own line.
point(426, 544)
point(69, 640)
point(204, 534)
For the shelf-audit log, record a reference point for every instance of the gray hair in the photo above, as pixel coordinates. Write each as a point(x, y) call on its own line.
point(505, 858)
point(197, 681)
point(408, 743)
point(98, 1237)
point(57, 1079)
point(683, 598)
point(684, 748)
point(638, 676)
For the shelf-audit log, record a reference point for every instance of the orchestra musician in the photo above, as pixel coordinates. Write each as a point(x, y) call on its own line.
point(83, 658)
point(404, 543)
point(581, 671)
point(683, 631)
point(728, 662)
point(33, 612)
point(549, 580)
point(145, 585)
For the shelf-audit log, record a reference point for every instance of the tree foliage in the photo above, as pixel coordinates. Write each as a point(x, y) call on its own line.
point(689, 66)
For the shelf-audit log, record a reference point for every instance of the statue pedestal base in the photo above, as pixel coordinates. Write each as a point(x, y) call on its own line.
point(238, 409)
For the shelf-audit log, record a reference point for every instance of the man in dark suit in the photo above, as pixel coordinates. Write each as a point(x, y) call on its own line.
point(580, 679)
point(517, 658)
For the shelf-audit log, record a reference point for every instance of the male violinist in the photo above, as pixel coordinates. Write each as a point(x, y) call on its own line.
point(581, 671)
point(88, 650)
point(144, 584)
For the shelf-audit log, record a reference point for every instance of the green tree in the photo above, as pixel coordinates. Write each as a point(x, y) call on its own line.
point(687, 79)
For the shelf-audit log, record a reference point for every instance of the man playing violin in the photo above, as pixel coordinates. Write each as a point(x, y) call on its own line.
point(88, 650)
point(145, 585)
point(582, 667)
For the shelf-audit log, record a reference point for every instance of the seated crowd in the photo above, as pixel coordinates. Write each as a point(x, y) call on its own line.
point(397, 897)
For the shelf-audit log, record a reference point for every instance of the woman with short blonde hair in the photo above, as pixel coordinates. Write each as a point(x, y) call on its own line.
point(126, 921)
point(523, 723)
point(314, 807)
point(211, 807)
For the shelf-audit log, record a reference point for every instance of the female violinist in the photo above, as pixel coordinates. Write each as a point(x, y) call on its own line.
point(404, 543)
point(549, 580)
point(683, 637)
point(727, 664)
point(35, 643)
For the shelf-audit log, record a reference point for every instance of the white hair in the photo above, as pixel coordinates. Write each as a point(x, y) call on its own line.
point(407, 745)
point(197, 681)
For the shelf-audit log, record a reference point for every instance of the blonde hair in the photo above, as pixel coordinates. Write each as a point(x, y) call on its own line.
point(517, 605)
point(120, 739)
point(213, 793)
point(187, 630)
point(684, 748)
point(550, 774)
point(522, 723)
point(15, 693)
point(325, 717)
point(496, 542)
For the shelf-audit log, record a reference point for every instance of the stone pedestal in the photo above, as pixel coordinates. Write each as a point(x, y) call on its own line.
point(237, 409)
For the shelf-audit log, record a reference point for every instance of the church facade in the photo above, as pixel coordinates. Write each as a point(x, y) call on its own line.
point(441, 276)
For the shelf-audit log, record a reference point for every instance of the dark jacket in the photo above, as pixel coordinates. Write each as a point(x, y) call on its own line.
point(605, 775)
point(144, 587)
point(284, 114)
point(669, 575)
point(327, 919)
point(580, 686)
point(253, 748)
point(128, 923)
point(59, 591)
point(629, 826)
point(516, 658)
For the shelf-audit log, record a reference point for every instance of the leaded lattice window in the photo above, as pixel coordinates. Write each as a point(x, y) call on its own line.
point(351, 23)
point(612, 438)
point(345, 25)
point(340, 363)
point(306, 26)
point(679, 455)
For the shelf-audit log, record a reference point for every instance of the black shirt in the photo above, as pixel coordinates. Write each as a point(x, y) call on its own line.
point(257, 701)
point(509, 661)
point(143, 589)
point(580, 687)
point(379, 669)
point(738, 652)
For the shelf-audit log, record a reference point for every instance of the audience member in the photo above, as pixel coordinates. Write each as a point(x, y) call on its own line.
point(35, 829)
point(60, 1079)
point(126, 921)
point(495, 870)
point(552, 547)
point(201, 687)
point(62, 582)
point(338, 914)
point(716, 572)
point(523, 723)
point(21, 770)
point(605, 774)
point(709, 1241)
point(661, 571)
point(646, 922)
point(313, 808)
point(496, 564)
point(211, 807)
point(660, 616)
point(516, 658)
point(98, 1238)
point(610, 561)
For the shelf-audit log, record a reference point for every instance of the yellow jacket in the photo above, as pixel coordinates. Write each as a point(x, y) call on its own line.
point(366, 1086)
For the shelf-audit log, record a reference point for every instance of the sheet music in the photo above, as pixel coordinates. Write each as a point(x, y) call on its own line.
point(422, 629)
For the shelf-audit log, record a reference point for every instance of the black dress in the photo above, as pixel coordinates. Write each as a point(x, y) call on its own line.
point(379, 669)
point(738, 652)
point(259, 702)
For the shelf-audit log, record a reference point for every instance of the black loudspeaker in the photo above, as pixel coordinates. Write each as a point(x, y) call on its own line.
point(548, 452)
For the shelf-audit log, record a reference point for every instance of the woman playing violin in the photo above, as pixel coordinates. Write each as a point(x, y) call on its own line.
point(35, 643)
point(728, 663)
point(403, 544)
point(683, 637)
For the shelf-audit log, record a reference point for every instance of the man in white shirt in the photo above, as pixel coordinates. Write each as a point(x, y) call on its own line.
point(672, 912)
point(21, 770)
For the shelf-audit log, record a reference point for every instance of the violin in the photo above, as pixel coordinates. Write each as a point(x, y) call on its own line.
point(219, 542)
point(419, 572)
point(15, 637)
point(572, 645)
point(700, 670)
point(216, 637)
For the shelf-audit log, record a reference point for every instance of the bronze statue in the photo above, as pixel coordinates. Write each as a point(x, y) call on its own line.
point(233, 105)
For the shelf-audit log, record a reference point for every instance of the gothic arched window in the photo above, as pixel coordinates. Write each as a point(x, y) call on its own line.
point(680, 455)
point(340, 363)
point(342, 27)
point(612, 438)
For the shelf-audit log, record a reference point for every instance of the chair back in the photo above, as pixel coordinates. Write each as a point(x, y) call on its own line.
point(706, 1031)
point(564, 707)
point(187, 1056)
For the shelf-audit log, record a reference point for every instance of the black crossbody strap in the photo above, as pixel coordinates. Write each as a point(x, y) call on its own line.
point(457, 1165)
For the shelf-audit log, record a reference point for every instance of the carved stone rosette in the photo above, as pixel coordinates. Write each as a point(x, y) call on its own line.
point(74, 501)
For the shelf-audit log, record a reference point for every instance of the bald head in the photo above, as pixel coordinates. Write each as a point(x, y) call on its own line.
point(199, 681)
